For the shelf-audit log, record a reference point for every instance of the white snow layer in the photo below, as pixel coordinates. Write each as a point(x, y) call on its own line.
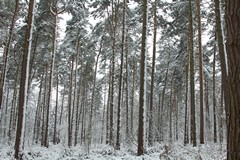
point(175, 151)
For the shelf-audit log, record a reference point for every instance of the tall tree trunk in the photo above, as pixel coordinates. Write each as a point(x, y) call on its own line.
point(142, 80)
point(200, 73)
point(171, 107)
point(176, 112)
point(220, 42)
point(104, 113)
point(221, 117)
point(192, 90)
point(132, 101)
point(233, 50)
point(24, 81)
point(113, 23)
point(121, 75)
point(214, 99)
point(108, 110)
point(186, 137)
point(46, 142)
point(70, 104)
point(78, 94)
point(56, 113)
point(207, 115)
point(43, 106)
point(126, 90)
point(6, 53)
point(150, 131)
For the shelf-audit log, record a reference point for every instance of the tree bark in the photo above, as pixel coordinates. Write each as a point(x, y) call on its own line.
point(192, 85)
point(150, 131)
point(121, 75)
point(233, 52)
point(214, 99)
point(200, 73)
point(24, 81)
point(220, 42)
point(186, 137)
point(142, 80)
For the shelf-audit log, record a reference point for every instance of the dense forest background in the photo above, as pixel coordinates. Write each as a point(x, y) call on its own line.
point(126, 73)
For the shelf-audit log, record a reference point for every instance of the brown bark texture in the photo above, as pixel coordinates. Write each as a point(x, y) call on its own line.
point(24, 82)
point(233, 53)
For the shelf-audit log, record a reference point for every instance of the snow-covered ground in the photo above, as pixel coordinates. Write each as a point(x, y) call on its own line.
point(175, 151)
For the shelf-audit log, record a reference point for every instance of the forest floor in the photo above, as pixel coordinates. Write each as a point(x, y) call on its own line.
point(175, 151)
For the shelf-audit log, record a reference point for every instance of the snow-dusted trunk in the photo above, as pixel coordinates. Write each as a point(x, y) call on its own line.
point(151, 131)
point(51, 78)
point(77, 93)
point(221, 48)
point(214, 98)
point(142, 96)
point(145, 84)
point(200, 72)
point(113, 18)
point(56, 113)
point(120, 77)
point(24, 81)
point(70, 112)
point(132, 101)
point(192, 85)
point(186, 137)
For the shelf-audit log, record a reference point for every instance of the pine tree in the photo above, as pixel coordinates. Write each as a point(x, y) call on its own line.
point(233, 49)
point(142, 80)
point(24, 81)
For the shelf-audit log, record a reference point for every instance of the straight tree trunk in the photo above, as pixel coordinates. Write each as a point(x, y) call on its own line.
point(24, 82)
point(207, 115)
point(56, 113)
point(192, 85)
point(140, 150)
point(46, 142)
point(233, 51)
point(61, 112)
point(150, 131)
point(104, 114)
point(70, 104)
point(200, 73)
point(120, 78)
point(186, 137)
point(214, 99)
point(132, 102)
point(113, 23)
point(171, 107)
point(220, 42)
point(127, 94)
point(176, 112)
point(108, 110)
point(44, 103)
point(78, 94)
